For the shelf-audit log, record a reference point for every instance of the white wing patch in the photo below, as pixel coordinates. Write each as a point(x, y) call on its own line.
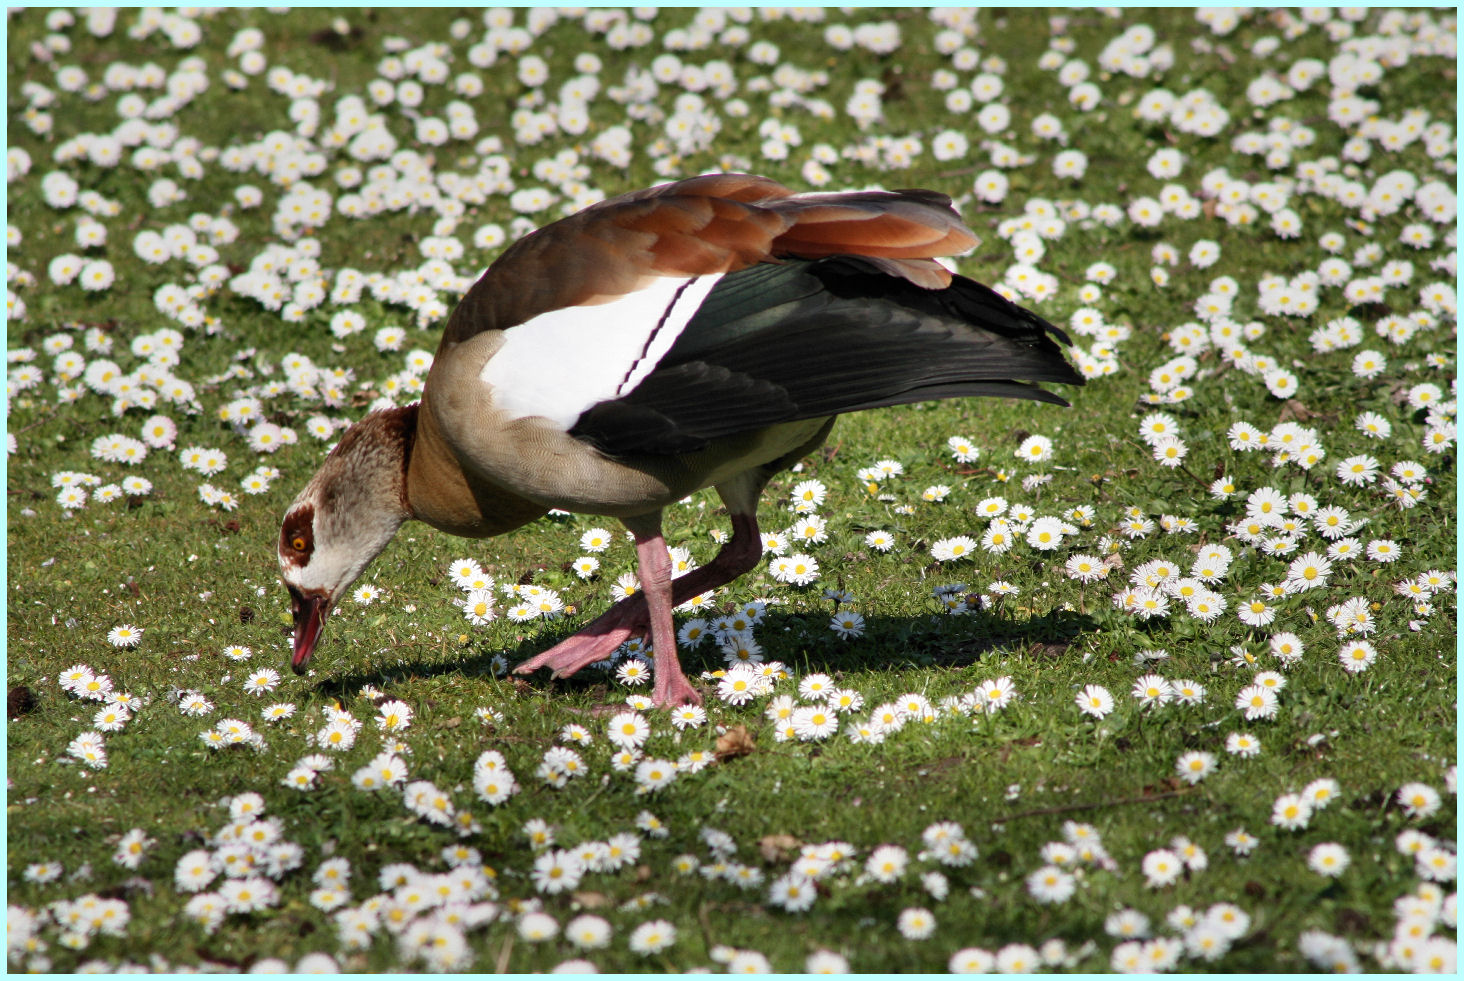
point(564, 361)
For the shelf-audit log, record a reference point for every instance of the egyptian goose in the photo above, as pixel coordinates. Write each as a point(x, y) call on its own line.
point(703, 333)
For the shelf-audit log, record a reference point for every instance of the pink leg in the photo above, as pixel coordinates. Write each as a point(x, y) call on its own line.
point(631, 618)
point(672, 688)
point(595, 642)
point(738, 556)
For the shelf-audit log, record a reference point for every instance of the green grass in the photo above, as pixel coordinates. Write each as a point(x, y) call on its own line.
point(197, 579)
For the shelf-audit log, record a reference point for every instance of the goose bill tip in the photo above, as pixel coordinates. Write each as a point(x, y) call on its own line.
point(309, 621)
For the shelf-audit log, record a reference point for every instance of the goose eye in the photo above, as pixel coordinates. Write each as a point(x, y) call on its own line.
point(297, 543)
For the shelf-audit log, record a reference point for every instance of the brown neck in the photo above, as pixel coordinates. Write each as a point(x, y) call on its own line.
point(402, 424)
point(373, 456)
point(440, 493)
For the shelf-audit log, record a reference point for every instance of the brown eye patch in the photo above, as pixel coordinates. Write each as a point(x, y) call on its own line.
point(297, 535)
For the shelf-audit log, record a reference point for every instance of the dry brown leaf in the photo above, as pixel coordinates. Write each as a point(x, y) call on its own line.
point(778, 848)
point(591, 900)
point(735, 742)
point(1293, 409)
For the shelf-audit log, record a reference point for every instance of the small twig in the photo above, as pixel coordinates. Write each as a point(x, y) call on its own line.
point(1102, 803)
point(958, 172)
point(588, 800)
point(501, 967)
point(1194, 477)
point(51, 414)
point(1187, 471)
point(706, 925)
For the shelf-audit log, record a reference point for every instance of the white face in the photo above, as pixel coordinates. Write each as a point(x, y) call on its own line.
point(312, 593)
point(316, 564)
point(322, 550)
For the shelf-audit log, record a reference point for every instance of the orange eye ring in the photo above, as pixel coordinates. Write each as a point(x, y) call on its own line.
point(298, 543)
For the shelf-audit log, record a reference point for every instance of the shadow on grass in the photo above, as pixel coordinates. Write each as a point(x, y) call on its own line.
point(802, 641)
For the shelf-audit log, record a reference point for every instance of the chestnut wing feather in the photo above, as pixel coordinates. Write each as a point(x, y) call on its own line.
point(714, 224)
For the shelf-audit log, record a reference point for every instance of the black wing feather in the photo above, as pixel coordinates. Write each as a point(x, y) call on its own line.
point(799, 340)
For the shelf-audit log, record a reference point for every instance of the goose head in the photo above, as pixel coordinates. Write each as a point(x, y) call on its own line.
point(342, 519)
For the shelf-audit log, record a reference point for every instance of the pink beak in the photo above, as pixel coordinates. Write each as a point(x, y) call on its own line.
point(310, 613)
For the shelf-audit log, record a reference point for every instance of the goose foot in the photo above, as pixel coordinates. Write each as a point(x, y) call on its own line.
point(672, 688)
point(596, 642)
point(649, 611)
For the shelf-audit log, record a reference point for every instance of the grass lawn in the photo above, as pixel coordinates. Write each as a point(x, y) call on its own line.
point(1164, 680)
